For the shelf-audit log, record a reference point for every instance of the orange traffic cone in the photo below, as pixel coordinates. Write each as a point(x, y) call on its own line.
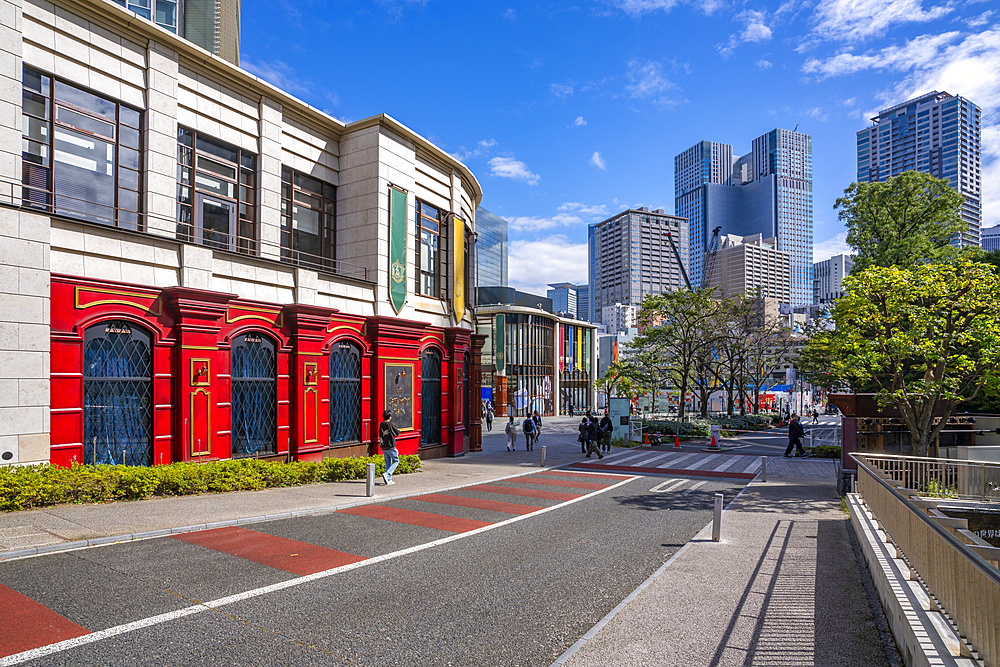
point(677, 442)
point(646, 441)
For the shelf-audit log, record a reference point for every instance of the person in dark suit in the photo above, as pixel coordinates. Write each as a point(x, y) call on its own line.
point(795, 433)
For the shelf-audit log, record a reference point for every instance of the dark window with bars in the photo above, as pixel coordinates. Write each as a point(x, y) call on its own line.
point(254, 396)
point(345, 393)
point(80, 152)
point(216, 192)
point(430, 399)
point(431, 251)
point(308, 220)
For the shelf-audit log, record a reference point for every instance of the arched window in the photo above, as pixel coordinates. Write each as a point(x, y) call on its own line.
point(430, 393)
point(255, 396)
point(117, 394)
point(345, 393)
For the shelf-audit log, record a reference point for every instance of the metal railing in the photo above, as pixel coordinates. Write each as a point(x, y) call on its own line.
point(940, 478)
point(963, 584)
point(47, 202)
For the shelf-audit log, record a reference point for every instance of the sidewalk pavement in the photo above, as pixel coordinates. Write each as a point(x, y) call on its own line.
point(783, 587)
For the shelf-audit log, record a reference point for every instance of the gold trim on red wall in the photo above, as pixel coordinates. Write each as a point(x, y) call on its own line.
point(208, 373)
point(306, 394)
point(208, 431)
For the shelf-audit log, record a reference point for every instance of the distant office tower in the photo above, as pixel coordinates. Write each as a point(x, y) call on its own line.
point(991, 238)
point(936, 133)
point(214, 25)
point(491, 249)
point(768, 192)
point(564, 301)
point(828, 275)
point(583, 311)
point(630, 258)
point(753, 266)
point(619, 317)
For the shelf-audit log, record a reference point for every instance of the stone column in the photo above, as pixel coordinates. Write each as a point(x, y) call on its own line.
point(160, 141)
point(10, 104)
point(269, 179)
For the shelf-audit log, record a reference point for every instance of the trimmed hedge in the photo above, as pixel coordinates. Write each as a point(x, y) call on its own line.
point(826, 452)
point(28, 487)
point(699, 427)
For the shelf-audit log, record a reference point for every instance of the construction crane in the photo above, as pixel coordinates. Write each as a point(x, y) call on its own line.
point(680, 264)
point(713, 251)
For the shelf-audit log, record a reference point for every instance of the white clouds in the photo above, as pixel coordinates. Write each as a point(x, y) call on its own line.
point(561, 90)
point(579, 122)
point(567, 215)
point(836, 245)
point(483, 147)
point(637, 8)
point(647, 82)
point(532, 265)
point(756, 30)
point(764, 64)
point(278, 74)
point(858, 20)
point(980, 20)
point(598, 161)
point(919, 52)
point(589, 210)
point(510, 14)
point(508, 167)
point(817, 113)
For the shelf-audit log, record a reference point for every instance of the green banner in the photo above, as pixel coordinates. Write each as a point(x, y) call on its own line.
point(499, 344)
point(397, 249)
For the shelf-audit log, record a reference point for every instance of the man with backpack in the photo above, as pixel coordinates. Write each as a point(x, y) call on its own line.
point(607, 428)
point(529, 432)
point(387, 433)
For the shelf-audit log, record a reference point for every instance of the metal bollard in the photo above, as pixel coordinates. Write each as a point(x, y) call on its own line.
point(717, 520)
point(542, 464)
point(763, 468)
point(371, 480)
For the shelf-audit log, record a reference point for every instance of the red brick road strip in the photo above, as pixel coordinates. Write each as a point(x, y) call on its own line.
point(524, 493)
point(669, 471)
point(278, 552)
point(414, 518)
point(27, 624)
point(478, 503)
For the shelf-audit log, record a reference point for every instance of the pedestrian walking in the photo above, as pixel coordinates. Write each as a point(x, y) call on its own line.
point(511, 430)
point(584, 437)
point(529, 433)
point(607, 428)
point(815, 416)
point(570, 409)
point(795, 433)
point(594, 443)
point(537, 418)
point(387, 433)
point(489, 417)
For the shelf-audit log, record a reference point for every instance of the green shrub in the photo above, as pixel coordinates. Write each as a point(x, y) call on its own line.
point(826, 451)
point(27, 487)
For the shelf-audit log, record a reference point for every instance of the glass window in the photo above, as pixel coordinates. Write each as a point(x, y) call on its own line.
point(215, 193)
point(308, 220)
point(80, 153)
point(345, 393)
point(117, 394)
point(254, 396)
point(432, 251)
point(430, 399)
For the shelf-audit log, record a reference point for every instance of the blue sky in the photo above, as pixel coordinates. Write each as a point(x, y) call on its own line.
point(568, 113)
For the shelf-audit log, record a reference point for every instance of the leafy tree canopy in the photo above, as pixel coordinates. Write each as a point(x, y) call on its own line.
point(907, 220)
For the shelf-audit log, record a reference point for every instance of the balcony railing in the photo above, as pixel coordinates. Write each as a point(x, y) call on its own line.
point(958, 570)
point(37, 200)
point(939, 478)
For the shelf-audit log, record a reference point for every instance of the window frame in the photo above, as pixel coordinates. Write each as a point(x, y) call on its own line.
point(327, 234)
point(440, 272)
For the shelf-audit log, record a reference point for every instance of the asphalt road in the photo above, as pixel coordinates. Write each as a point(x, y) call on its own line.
point(473, 577)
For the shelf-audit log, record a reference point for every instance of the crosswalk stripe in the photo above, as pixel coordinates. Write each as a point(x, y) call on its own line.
point(645, 462)
point(659, 487)
point(679, 484)
point(672, 463)
point(753, 466)
point(708, 461)
point(733, 460)
point(693, 487)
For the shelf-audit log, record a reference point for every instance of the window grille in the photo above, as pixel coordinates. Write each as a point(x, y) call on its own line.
point(117, 394)
point(430, 393)
point(255, 396)
point(345, 393)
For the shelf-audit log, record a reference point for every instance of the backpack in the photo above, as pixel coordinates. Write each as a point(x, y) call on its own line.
point(529, 425)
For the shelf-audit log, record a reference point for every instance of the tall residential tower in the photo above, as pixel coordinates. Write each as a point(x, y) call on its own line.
point(768, 191)
point(491, 249)
point(937, 133)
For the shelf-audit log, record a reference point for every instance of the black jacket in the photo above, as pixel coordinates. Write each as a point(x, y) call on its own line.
point(387, 433)
point(795, 430)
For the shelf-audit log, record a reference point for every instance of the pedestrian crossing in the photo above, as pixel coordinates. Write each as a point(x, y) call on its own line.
point(694, 464)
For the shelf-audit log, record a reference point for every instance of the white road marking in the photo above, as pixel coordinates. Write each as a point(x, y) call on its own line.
point(659, 487)
point(673, 462)
point(707, 461)
point(642, 464)
point(733, 460)
point(117, 630)
point(693, 487)
point(676, 486)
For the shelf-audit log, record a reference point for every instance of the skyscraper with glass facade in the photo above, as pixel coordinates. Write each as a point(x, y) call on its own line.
point(991, 238)
point(491, 249)
point(214, 25)
point(629, 257)
point(768, 191)
point(563, 297)
point(937, 133)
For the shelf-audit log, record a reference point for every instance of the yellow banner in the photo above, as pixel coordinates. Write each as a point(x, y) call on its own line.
point(458, 273)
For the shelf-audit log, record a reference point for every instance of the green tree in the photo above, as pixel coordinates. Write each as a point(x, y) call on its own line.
point(927, 337)
point(908, 219)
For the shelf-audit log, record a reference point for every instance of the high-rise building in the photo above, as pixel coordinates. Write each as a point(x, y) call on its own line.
point(991, 238)
point(768, 191)
point(214, 25)
point(563, 297)
point(583, 311)
point(629, 257)
point(753, 266)
point(937, 133)
point(619, 317)
point(491, 249)
point(828, 275)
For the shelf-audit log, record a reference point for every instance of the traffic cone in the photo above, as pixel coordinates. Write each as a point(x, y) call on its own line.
point(646, 441)
point(677, 442)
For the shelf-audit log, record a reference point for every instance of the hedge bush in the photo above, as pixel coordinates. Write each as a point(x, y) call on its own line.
point(826, 452)
point(28, 487)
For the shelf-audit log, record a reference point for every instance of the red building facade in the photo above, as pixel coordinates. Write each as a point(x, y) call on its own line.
point(187, 396)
